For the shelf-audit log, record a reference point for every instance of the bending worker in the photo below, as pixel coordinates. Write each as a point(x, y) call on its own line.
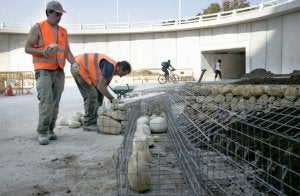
point(92, 77)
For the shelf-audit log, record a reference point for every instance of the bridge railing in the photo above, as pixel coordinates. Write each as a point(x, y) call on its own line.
point(170, 22)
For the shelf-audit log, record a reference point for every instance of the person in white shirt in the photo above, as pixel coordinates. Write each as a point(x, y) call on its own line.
point(218, 69)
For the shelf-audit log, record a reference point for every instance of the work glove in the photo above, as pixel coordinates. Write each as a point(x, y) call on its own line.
point(75, 69)
point(50, 50)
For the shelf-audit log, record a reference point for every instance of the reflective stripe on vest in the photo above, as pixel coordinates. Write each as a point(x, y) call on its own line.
point(86, 65)
point(97, 67)
point(46, 60)
point(89, 67)
point(96, 64)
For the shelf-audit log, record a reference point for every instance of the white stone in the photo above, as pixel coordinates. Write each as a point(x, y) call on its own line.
point(104, 112)
point(63, 122)
point(291, 94)
point(143, 120)
point(108, 125)
point(138, 172)
point(144, 128)
point(140, 142)
point(73, 124)
point(120, 106)
point(158, 125)
point(119, 115)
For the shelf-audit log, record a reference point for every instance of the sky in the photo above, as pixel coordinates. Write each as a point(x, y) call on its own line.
point(104, 11)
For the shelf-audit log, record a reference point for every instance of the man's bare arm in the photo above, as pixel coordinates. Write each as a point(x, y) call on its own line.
point(102, 87)
point(69, 54)
point(33, 39)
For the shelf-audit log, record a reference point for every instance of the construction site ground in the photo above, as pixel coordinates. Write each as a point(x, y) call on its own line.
point(78, 163)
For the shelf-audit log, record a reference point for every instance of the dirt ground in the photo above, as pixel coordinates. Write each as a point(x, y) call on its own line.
point(78, 163)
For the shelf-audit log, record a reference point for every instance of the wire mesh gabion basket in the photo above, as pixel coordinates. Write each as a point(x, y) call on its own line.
point(209, 149)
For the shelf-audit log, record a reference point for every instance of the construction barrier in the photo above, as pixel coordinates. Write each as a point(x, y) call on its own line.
point(21, 82)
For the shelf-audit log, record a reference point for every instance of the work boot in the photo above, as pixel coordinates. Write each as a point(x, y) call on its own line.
point(52, 135)
point(43, 139)
point(90, 128)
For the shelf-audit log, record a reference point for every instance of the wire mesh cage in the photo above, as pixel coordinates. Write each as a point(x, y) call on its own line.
point(219, 148)
point(163, 169)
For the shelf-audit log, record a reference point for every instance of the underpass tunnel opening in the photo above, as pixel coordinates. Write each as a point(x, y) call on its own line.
point(233, 63)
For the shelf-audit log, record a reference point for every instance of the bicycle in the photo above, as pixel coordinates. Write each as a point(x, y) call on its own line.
point(172, 77)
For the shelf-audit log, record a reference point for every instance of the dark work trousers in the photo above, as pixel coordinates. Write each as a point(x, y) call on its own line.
point(92, 99)
point(218, 72)
point(50, 85)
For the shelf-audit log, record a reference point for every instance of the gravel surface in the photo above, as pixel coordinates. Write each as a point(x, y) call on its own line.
point(78, 163)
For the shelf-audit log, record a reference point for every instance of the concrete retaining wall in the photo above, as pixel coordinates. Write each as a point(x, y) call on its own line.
point(267, 39)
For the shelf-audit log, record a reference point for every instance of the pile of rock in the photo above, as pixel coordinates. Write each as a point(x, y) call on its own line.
point(110, 120)
point(74, 122)
point(258, 73)
point(245, 98)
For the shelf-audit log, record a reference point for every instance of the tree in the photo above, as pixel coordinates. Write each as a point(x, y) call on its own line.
point(226, 5)
point(213, 8)
point(234, 4)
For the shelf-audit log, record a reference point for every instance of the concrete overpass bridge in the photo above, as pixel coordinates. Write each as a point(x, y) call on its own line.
point(261, 36)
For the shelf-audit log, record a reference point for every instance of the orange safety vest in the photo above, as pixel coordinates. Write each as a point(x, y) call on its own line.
point(89, 68)
point(58, 59)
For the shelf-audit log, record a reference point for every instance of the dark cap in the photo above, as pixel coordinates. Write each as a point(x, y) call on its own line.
point(56, 6)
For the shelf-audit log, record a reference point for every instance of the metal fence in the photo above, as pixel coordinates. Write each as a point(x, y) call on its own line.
point(20, 81)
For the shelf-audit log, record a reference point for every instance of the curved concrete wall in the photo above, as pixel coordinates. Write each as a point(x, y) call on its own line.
point(267, 38)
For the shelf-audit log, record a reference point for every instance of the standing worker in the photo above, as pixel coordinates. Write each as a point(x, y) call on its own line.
point(94, 75)
point(48, 44)
point(165, 66)
point(217, 69)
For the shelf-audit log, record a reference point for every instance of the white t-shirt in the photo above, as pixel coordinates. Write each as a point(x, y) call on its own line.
point(218, 66)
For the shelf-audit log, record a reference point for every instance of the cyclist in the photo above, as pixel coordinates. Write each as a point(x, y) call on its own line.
point(165, 66)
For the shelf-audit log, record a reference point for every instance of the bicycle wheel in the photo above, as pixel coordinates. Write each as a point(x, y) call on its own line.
point(162, 79)
point(175, 78)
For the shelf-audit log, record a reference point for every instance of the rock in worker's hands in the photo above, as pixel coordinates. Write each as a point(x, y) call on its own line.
point(50, 50)
point(75, 69)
